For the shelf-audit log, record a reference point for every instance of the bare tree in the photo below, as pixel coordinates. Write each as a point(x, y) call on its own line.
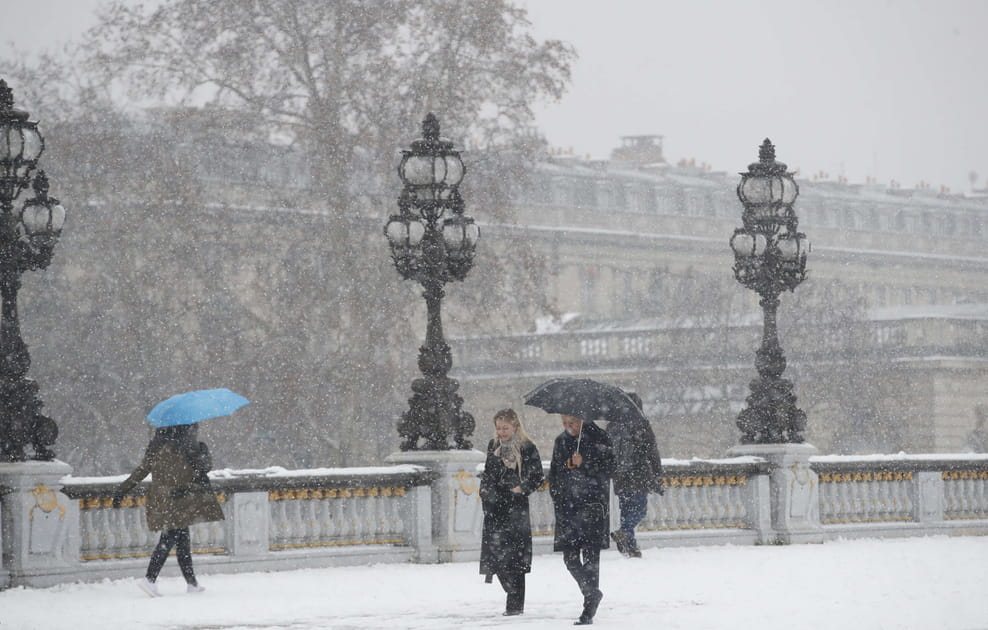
point(325, 328)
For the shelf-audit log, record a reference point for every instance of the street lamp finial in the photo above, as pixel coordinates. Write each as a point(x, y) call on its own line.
point(766, 152)
point(430, 127)
point(6, 97)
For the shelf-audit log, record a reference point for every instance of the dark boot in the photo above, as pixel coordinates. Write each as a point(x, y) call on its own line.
point(590, 603)
point(514, 586)
point(621, 540)
point(633, 550)
point(515, 604)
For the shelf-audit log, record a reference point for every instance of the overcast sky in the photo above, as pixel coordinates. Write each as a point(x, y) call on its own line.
point(889, 89)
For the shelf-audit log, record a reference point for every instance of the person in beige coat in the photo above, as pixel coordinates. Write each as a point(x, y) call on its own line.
point(180, 495)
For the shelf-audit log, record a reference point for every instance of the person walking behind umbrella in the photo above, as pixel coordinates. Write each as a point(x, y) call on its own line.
point(512, 472)
point(582, 463)
point(637, 471)
point(180, 496)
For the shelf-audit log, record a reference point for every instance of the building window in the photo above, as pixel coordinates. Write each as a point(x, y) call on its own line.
point(593, 347)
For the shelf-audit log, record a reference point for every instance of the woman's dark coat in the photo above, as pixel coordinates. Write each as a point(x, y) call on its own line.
point(180, 493)
point(637, 468)
point(506, 546)
point(581, 496)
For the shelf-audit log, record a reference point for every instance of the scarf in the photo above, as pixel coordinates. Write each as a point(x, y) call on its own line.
point(510, 452)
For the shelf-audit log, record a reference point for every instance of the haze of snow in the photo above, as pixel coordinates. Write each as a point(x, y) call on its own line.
point(934, 583)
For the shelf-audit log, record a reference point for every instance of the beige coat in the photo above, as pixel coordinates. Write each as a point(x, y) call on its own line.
point(173, 501)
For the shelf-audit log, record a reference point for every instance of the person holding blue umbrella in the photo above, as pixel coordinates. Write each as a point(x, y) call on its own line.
point(180, 493)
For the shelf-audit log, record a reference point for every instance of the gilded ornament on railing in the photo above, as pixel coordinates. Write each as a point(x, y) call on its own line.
point(865, 477)
point(335, 493)
point(957, 475)
point(467, 483)
point(704, 480)
point(46, 500)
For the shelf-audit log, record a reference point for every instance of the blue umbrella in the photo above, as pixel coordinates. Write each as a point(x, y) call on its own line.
point(192, 407)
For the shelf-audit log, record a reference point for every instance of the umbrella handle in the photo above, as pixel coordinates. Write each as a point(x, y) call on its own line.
point(569, 460)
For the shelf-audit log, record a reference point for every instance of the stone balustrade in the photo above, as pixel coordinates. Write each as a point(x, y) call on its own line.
point(58, 528)
point(892, 495)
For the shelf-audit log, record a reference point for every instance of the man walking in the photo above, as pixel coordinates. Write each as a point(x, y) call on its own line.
point(637, 471)
point(579, 484)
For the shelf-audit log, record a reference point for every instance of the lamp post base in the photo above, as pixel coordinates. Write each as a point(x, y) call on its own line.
point(40, 524)
point(794, 489)
point(457, 516)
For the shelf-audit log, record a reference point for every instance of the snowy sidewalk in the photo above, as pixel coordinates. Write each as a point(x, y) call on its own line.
point(916, 584)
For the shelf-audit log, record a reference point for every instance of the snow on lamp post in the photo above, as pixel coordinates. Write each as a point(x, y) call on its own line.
point(769, 258)
point(433, 242)
point(27, 241)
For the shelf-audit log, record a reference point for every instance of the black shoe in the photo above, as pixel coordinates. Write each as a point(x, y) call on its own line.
point(590, 604)
point(634, 551)
point(511, 613)
point(583, 621)
point(621, 540)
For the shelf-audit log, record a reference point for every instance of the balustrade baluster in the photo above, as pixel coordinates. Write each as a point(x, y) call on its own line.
point(343, 526)
point(720, 500)
point(969, 505)
point(950, 497)
point(828, 499)
point(883, 508)
point(682, 506)
point(279, 520)
point(310, 518)
point(737, 500)
point(704, 513)
point(980, 501)
point(906, 498)
point(355, 514)
point(844, 494)
point(296, 520)
point(86, 531)
point(323, 517)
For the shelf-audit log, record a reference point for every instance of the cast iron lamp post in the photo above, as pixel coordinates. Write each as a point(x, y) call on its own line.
point(27, 240)
point(432, 242)
point(769, 258)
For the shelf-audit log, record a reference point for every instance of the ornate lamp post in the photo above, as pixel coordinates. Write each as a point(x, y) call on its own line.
point(769, 258)
point(432, 242)
point(27, 240)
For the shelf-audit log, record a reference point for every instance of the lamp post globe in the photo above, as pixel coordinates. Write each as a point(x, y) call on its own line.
point(27, 241)
point(769, 258)
point(433, 242)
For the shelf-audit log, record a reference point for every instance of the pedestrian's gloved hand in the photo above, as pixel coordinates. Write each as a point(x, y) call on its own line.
point(118, 499)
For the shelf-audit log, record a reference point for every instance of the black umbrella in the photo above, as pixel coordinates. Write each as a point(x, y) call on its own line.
point(586, 399)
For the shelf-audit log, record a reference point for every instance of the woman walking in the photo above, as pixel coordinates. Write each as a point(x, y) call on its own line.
point(512, 472)
point(180, 496)
point(582, 463)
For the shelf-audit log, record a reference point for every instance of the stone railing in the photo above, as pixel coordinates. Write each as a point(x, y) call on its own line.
point(303, 509)
point(886, 495)
point(58, 528)
point(323, 515)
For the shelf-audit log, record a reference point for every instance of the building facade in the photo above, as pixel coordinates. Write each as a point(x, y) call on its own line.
point(885, 340)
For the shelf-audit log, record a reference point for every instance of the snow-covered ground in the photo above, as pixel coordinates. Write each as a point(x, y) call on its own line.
point(934, 583)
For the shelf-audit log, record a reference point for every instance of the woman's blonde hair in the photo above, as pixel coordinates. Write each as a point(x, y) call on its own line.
point(509, 416)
